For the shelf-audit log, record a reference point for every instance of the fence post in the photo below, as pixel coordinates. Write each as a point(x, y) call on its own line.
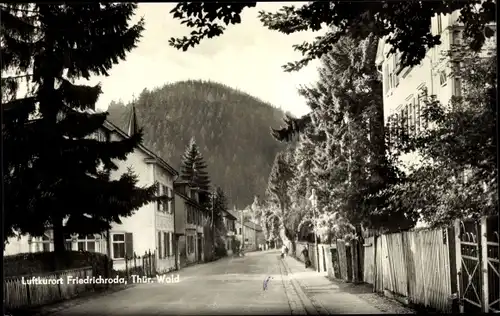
point(354, 258)
point(458, 264)
point(126, 267)
point(375, 268)
point(483, 242)
point(452, 245)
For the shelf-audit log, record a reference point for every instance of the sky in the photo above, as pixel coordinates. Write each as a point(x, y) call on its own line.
point(247, 57)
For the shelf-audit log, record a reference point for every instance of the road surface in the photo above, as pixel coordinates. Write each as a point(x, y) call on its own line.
point(230, 286)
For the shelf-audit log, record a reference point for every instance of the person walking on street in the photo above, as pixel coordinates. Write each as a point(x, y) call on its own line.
point(305, 253)
point(283, 251)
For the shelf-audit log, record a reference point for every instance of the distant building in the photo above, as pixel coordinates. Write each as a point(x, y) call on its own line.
point(190, 219)
point(250, 234)
point(229, 223)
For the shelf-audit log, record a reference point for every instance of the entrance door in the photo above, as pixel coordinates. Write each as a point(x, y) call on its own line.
point(200, 249)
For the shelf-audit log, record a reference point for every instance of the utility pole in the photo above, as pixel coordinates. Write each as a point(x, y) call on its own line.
point(314, 201)
point(242, 230)
point(213, 221)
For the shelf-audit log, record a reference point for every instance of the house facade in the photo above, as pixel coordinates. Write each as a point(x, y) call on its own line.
point(149, 229)
point(404, 88)
point(230, 225)
point(190, 219)
point(249, 234)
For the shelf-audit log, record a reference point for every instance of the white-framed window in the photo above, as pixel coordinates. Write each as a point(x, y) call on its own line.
point(439, 24)
point(118, 245)
point(171, 202)
point(159, 245)
point(165, 204)
point(416, 103)
point(41, 244)
point(443, 78)
point(191, 247)
point(87, 243)
point(99, 135)
point(386, 78)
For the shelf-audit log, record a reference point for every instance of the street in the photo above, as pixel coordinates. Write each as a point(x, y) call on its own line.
point(227, 286)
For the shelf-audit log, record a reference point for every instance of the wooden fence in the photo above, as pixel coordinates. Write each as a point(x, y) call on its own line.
point(19, 294)
point(144, 265)
point(414, 264)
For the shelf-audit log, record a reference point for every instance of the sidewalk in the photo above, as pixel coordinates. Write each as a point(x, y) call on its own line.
point(333, 297)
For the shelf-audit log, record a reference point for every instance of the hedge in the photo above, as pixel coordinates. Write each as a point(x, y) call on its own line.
point(43, 262)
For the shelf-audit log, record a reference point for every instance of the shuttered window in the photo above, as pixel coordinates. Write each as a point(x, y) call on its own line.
point(158, 193)
point(166, 244)
point(159, 247)
point(171, 202)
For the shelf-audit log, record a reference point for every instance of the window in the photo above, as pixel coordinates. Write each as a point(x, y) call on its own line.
point(159, 246)
point(166, 244)
point(165, 204)
point(439, 24)
point(239, 231)
point(190, 244)
point(416, 102)
point(443, 79)
point(395, 66)
point(98, 135)
point(45, 243)
point(386, 78)
point(122, 245)
point(158, 193)
point(86, 243)
point(171, 202)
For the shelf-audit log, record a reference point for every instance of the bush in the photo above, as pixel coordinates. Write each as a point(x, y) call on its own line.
point(220, 251)
point(43, 262)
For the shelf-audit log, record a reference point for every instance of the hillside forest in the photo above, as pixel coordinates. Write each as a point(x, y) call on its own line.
point(231, 128)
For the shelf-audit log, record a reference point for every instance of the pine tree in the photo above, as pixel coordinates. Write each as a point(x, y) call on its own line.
point(52, 166)
point(349, 165)
point(193, 168)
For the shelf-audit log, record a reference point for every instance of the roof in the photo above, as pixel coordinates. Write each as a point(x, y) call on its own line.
point(229, 214)
point(154, 157)
point(188, 199)
point(252, 225)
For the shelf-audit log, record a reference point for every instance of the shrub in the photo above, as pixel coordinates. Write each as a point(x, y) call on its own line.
point(43, 262)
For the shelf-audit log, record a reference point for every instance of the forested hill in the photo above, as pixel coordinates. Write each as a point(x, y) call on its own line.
point(231, 128)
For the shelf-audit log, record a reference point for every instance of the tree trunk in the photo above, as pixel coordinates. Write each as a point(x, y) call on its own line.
point(59, 241)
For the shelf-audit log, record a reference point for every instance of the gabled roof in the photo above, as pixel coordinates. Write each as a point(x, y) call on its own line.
point(154, 158)
point(229, 215)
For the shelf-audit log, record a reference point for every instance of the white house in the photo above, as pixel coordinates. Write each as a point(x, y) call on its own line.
point(404, 87)
point(151, 228)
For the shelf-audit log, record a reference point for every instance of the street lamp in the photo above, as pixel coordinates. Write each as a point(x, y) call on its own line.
point(314, 202)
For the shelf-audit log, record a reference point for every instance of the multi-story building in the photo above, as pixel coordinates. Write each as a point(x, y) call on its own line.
point(150, 228)
point(405, 88)
point(190, 219)
point(229, 223)
point(250, 234)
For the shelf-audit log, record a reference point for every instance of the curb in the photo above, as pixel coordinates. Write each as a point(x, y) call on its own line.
point(311, 307)
point(75, 301)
